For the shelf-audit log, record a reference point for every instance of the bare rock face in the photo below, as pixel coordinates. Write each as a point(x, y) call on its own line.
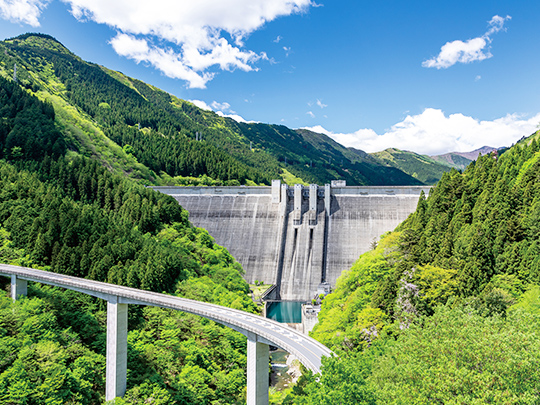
point(294, 368)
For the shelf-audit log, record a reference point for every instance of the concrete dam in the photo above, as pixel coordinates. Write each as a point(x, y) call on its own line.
point(296, 237)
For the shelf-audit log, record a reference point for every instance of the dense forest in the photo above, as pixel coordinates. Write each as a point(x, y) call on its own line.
point(152, 136)
point(73, 216)
point(421, 167)
point(446, 309)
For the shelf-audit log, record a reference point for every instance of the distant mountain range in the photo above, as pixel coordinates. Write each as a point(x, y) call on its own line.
point(147, 134)
point(460, 160)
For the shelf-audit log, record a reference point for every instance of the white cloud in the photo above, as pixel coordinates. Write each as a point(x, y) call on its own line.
point(320, 104)
point(497, 24)
point(201, 104)
point(221, 106)
point(475, 49)
point(433, 133)
point(310, 113)
point(23, 11)
point(278, 38)
point(184, 38)
point(319, 129)
point(166, 60)
point(219, 109)
point(235, 117)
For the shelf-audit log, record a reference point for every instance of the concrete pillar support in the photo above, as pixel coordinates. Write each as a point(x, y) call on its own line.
point(276, 191)
point(116, 370)
point(18, 287)
point(284, 198)
point(297, 219)
point(313, 189)
point(258, 355)
point(298, 197)
point(327, 198)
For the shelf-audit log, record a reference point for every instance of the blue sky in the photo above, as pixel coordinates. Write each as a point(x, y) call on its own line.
point(426, 76)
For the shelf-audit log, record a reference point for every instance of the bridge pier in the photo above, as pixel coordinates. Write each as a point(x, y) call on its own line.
point(116, 369)
point(117, 322)
point(260, 334)
point(18, 287)
point(258, 355)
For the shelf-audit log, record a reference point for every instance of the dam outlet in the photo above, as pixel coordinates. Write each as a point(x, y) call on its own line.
point(296, 237)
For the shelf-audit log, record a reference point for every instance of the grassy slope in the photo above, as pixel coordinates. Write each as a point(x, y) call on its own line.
point(421, 167)
point(306, 156)
point(452, 160)
point(86, 137)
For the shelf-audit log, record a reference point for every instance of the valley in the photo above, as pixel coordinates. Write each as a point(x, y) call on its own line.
point(441, 306)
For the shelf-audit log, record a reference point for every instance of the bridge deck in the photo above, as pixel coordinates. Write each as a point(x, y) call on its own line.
point(308, 350)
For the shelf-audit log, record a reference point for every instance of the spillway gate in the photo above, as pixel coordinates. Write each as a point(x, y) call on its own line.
point(297, 237)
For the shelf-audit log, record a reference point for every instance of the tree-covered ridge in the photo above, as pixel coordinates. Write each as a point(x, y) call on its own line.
point(67, 213)
point(481, 225)
point(53, 350)
point(421, 167)
point(171, 137)
point(446, 308)
point(27, 129)
point(316, 158)
point(74, 217)
point(485, 221)
point(476, 235)
point(116, 108)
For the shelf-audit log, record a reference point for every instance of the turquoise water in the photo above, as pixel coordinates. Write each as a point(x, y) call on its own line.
point(284, 311)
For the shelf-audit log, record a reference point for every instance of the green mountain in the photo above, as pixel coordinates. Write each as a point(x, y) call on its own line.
point(432, 314)
point(460, 160)
point(453, 159)
point(66, 213)
point(423, 168)
point(446, 309)
point(149, 135)
point(355, 164)
point(428, 169)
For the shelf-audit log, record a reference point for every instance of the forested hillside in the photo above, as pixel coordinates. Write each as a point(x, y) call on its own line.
point(149, 135)
point(446, 309)
point(460, 160)
point(421, 167)
point(69, 214)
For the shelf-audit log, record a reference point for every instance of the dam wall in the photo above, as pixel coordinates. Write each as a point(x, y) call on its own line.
point(296, 237)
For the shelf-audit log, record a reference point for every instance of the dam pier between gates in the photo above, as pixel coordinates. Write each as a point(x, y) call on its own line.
point(296, 237)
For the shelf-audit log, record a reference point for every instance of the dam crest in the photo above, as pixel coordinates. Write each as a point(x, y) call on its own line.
point(296, 237)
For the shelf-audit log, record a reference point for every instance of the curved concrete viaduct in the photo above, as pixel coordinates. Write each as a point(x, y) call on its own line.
point(261, 332)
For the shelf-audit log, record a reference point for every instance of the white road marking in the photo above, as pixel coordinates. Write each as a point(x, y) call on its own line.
point(311, 351)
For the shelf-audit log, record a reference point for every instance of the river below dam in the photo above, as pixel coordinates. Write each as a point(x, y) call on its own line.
point(279, 378)
point(285, 311)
